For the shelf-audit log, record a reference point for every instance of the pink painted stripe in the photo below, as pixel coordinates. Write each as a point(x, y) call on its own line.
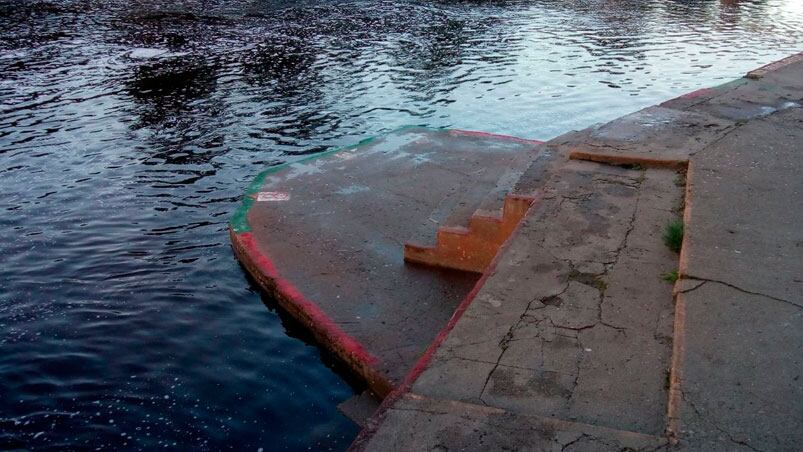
point(473, 133)
point(697, 93)
point(774, 66)
point(317, 318)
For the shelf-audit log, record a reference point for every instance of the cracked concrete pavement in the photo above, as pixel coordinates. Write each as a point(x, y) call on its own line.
point(575, 342)
point(560, 308)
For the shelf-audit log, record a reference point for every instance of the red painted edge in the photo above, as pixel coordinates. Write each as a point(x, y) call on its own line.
point(261, 267)
point(474, 133)
point(774, 66)
point(420, 366)
point(487, 218)
point(698, 93)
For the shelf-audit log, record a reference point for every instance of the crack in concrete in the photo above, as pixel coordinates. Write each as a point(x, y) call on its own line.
point(577, 363)
point(714, 424)
point(421, 410)
point(590, 279)
point(503, 343)
point(700, 283)
point(635, 183)
point(579, 438)
point(617, 253)
point(732, 286)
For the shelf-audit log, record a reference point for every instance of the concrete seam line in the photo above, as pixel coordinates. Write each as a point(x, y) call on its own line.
point(678, 333)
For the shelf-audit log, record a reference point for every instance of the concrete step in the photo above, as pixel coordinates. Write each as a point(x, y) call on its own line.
point(494, 201)
point(454, 211)
point(471, 248)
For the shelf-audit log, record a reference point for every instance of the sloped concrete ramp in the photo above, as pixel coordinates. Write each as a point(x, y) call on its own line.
point(326, 236)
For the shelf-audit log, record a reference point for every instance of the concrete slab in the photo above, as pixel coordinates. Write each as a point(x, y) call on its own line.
point(751, 100)
point(431, 424)
point(741, 372)
point(738, 101)
point(745, 209)
point(785, 67)
point(738, 358)
point(656, 135)
point(326, 236)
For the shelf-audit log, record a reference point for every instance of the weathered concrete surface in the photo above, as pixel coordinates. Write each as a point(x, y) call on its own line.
point(574, 327)
point(742, 288)
point(740, 387)
point(746, 205)
point(360, 408)
point(656, 134)
point(439, 425)
point(326, 237)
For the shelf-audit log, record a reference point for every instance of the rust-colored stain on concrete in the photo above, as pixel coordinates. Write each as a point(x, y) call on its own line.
point(473, 247)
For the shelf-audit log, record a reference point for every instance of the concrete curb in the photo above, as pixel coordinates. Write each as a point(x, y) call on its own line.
point(325, 331)
point(759, 73)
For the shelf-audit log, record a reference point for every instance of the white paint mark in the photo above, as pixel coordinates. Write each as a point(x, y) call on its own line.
point(344, 155)
point(272, 196)
point(351, 189)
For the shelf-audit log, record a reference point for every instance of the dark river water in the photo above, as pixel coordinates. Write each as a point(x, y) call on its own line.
point(128, 130)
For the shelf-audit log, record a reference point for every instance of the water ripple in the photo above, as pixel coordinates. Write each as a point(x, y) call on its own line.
point(129, 129)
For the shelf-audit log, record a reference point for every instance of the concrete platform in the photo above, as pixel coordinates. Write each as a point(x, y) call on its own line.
point(573, 340)
point(327, 235)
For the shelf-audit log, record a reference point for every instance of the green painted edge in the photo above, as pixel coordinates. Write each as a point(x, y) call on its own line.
point(239, 220)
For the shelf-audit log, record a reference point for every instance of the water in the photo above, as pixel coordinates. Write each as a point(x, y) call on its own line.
point(128, 130)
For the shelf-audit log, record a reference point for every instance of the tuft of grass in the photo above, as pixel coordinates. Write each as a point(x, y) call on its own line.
point(670, 276)
point(673, 235)
point(680, 179)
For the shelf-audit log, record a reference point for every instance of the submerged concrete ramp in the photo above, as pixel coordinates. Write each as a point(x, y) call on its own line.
point(327, 236)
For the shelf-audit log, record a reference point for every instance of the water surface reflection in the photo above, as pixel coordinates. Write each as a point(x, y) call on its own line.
point(129, 129)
